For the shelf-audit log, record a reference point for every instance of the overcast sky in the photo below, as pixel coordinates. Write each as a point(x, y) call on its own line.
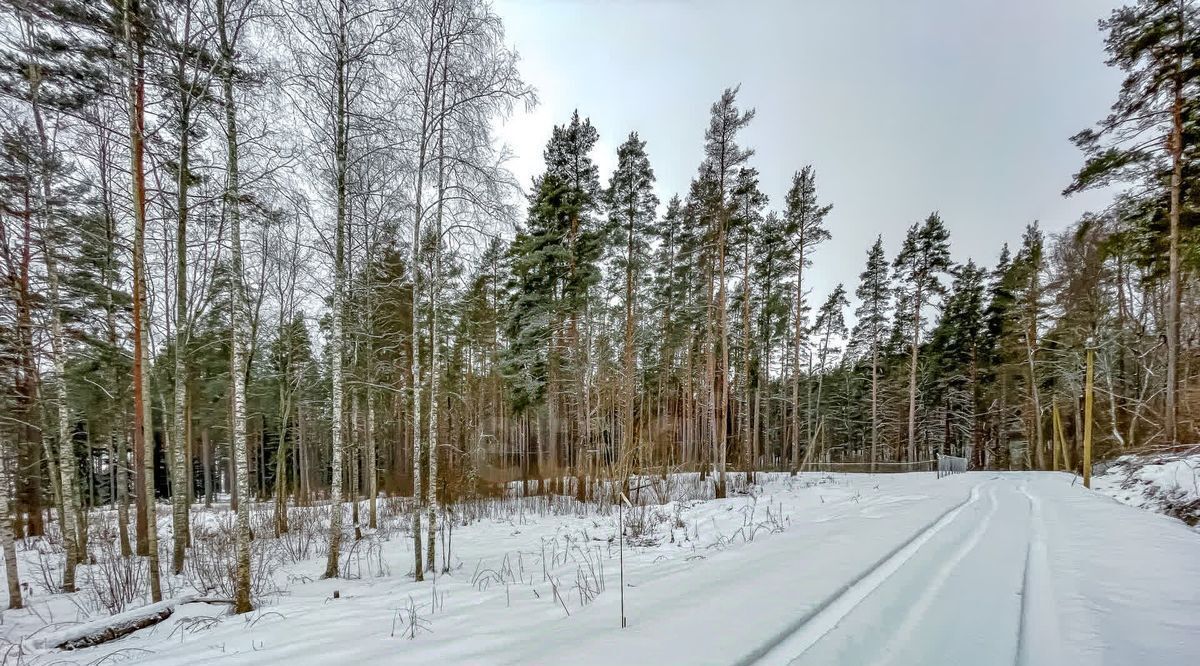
point(902, 106)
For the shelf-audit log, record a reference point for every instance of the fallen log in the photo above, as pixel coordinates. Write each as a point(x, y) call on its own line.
point(115, 626)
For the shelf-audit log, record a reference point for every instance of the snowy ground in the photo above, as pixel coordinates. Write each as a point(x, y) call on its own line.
point(977, 568)
point(1165, 483)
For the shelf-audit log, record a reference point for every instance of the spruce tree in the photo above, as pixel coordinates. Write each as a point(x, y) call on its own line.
point(957, 346)
point(874, 294)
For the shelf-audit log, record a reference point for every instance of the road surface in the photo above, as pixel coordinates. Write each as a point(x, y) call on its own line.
point(1026, 570)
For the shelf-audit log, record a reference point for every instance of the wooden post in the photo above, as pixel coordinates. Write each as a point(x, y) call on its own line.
point(1087, 421)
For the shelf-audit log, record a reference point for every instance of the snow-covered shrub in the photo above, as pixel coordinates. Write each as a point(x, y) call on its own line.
point(212, 560)
point(48, 565)
point(115, 581)
point(304, 534)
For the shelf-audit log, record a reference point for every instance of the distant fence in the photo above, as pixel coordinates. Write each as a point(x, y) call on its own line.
point(876, 467)
point(947, 465)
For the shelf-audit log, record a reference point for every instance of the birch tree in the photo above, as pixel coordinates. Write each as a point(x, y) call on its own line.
point(232, 19)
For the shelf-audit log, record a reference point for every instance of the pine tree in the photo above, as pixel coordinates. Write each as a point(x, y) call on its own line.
point(631, 208)
point(773, 255)
point(724, 158)
point(805, 226)
point(746, 220)
point(1155, 43)
point(1029, 263)
point(922, 260)
point(830, 325)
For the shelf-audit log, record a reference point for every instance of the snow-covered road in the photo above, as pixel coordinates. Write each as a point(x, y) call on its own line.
point(973, 587)
point(980, 568)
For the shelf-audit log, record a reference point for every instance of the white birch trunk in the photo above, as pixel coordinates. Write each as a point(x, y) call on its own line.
point(238, 363)
point(7, 544)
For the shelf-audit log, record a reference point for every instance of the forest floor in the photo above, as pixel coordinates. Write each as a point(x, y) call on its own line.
point(979, 568)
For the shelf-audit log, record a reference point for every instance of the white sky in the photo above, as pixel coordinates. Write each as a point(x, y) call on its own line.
point(903, 106)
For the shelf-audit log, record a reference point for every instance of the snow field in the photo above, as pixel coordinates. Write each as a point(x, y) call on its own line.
point(975, 568)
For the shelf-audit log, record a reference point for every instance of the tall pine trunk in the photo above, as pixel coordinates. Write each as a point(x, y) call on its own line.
point(143, 429)
point(797, 344)
point(1175, 145)
point(912, 379)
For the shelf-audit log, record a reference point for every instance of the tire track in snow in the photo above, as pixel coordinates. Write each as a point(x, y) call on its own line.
point(810, 627)
point(1037, 634)
point(929, 595)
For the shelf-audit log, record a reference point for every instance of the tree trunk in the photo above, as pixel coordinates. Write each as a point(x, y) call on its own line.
point(372, 471)
point(143, 429)
point(912, 379)
point(7, 544)
point(1035, 403)
point(874, 403)
point(180, 473)
point(1175, 144)
point(238, 365)
point(206, 460)
point(67, 463)
point(336, 341)
point(629, 383)
point(797, 343)
point(1087, 422)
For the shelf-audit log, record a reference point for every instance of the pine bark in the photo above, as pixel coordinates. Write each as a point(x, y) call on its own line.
point(912, 376)
point(1175, 145)
point(797, 345)
point(143, 428)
